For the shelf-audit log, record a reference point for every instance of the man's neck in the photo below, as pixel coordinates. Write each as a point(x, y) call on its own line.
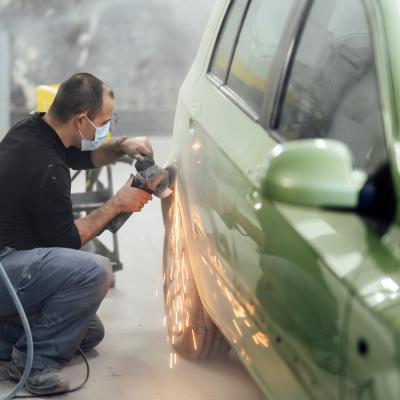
point(62, 130)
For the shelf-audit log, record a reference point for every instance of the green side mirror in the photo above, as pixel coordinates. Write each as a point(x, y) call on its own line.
point(315, 173)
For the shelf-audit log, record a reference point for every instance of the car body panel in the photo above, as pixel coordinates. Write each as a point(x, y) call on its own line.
point(297, 291)
point(208, 224)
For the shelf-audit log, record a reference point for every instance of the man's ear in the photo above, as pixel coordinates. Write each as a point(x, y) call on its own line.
point(79, 121)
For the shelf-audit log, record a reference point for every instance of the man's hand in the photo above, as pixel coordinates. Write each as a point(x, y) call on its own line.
point(111, 151)
point(137, 148)
point(129, 199)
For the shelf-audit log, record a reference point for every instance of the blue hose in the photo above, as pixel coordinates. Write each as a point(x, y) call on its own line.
point(28, 334)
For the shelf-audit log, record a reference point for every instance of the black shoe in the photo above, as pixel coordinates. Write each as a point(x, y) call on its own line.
point(41, 381)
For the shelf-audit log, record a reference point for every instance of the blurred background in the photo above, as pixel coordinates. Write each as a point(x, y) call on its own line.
point(141, 48)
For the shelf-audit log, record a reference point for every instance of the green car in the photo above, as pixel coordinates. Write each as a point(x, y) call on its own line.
point(282, 238)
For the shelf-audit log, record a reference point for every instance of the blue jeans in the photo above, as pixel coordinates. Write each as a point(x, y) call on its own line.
point(62, 289)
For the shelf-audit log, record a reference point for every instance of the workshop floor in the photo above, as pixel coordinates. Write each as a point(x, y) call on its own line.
point(133, 361)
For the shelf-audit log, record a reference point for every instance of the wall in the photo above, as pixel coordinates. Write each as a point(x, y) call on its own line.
point(141, 48)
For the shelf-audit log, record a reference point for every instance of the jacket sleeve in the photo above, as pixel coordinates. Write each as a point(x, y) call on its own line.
point(51, 209)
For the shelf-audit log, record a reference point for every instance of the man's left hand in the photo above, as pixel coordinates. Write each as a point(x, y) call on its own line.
point(137, 148)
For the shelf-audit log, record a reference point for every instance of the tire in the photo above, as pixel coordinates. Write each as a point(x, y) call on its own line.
point(192, 333)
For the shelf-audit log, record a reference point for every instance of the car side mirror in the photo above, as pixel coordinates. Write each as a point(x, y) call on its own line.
point(315, 173)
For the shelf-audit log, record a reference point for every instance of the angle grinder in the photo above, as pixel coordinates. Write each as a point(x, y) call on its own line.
point(153, 179)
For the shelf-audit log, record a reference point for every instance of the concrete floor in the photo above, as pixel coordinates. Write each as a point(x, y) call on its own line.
point(133, 361)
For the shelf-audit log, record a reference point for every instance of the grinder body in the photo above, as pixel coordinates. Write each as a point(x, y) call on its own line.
point(151, 178)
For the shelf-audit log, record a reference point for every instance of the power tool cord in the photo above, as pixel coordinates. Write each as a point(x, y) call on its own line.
point(29, 359)
point(67, 391)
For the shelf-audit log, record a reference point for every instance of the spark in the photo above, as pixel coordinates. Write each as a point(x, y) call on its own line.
point(187, 274)
point(183, 279)
point(228, 294)
point(170, 360)
point(245, 356)
point(238, 310)
point(237, 327)
point(261, 339)
point(194, 340)
point(251, 308)
point(196, 146)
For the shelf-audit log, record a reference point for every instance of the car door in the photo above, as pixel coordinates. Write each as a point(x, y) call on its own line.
point(307, 261)
point(301, 304)
point(207, 194)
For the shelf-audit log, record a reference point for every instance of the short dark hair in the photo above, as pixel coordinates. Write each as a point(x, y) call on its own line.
point(82, 92)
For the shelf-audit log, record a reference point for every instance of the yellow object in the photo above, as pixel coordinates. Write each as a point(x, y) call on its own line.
point(45, 95)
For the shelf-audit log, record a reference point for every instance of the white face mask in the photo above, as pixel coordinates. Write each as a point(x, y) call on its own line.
point(99, 137)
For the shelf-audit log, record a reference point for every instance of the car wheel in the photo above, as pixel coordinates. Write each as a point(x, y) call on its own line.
point(191, 331)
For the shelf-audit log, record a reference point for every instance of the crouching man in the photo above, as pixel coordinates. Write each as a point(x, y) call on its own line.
point(39, 238)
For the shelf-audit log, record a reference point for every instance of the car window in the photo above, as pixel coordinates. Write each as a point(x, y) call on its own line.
point(227, 37)
point(332, 92)
point(258, 43)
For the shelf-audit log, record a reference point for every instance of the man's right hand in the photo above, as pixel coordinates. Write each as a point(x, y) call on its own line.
point(129, 199)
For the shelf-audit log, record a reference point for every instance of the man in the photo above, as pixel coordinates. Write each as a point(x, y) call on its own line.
point(39, 238)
